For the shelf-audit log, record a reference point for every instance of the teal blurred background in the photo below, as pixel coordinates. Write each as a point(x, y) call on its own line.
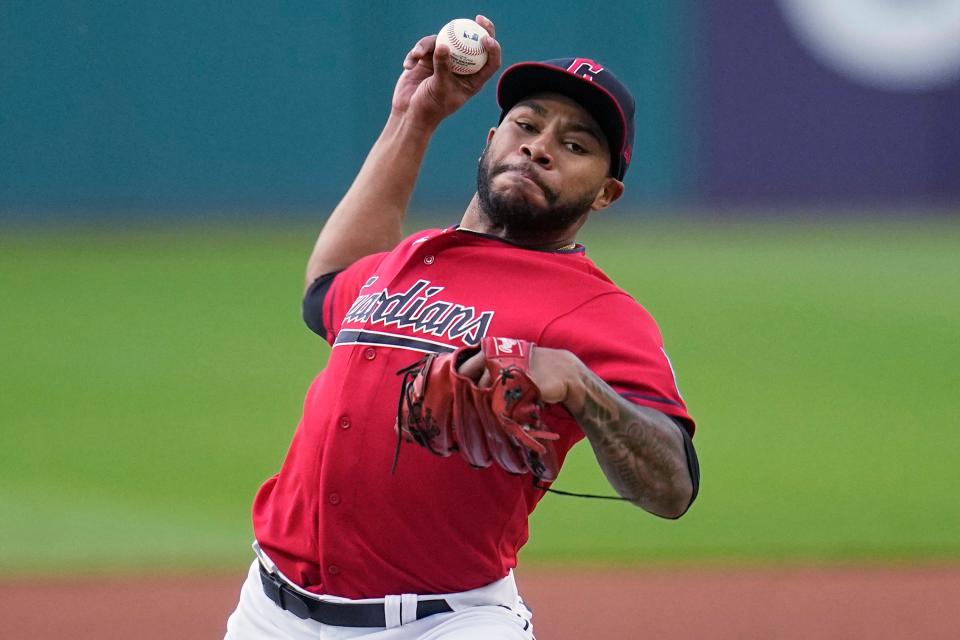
point(164, 170)
point(273, 106)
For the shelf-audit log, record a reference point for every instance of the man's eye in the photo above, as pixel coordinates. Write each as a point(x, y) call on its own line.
point(526, 126)
point(576, 148)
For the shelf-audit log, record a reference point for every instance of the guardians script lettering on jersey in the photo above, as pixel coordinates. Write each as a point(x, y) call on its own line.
point(415, 309)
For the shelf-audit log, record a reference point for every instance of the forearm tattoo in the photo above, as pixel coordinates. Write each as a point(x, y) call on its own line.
point(640, 451)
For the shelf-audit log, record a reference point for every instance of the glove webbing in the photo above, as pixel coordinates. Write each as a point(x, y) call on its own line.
point(414, 408)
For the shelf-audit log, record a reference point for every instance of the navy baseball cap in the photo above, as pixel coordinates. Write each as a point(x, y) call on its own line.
point(588, 83)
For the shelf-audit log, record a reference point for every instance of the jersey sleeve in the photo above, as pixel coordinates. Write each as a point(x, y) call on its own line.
point(619, 341)
point(329, 297)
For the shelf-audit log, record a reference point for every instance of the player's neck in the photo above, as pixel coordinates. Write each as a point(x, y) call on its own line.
point(474, 220)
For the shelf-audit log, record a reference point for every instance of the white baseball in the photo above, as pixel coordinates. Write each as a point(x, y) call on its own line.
point(463, 37)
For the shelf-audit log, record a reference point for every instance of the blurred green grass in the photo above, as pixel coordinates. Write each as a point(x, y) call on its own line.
point(151, 380)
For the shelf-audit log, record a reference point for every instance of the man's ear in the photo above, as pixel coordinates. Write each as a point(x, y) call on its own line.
point(609, 192)
point(490, 133)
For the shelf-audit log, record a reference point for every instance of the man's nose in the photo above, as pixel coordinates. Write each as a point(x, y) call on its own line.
point(536, 151)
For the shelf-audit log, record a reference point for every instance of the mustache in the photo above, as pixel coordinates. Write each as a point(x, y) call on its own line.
point(527, 172)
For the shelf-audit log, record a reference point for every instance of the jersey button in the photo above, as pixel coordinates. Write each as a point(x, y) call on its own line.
point(333, 570)
point(369, 354)
point(428, 259)
point(344, 422)
point(334, 498)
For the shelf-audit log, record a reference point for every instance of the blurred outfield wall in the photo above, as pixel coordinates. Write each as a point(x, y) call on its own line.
point(162, 105)
point(158, 107)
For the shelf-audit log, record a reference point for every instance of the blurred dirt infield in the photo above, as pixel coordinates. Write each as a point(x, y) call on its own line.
point(875, 603)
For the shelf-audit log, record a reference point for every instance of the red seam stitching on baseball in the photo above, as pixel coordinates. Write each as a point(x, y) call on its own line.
point(456, 42)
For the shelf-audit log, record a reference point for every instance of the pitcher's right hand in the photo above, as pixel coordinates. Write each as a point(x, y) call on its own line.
point(428, 91)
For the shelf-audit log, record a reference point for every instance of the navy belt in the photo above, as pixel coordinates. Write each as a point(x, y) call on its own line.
point(337, 614)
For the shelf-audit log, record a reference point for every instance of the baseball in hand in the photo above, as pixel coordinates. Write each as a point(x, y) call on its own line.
point(463, 37)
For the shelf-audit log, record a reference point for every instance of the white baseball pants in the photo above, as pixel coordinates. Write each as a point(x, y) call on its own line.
point(259, 618)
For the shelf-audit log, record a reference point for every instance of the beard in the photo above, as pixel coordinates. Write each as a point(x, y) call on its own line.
point(521, 219)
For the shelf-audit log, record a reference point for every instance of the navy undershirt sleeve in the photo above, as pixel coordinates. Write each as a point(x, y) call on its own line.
point(693, 464)
point(313, 303)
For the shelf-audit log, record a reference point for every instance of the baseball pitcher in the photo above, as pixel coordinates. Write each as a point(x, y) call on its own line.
point(465, 363)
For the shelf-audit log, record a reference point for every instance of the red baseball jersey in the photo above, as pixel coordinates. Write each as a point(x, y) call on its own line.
point(335, 519)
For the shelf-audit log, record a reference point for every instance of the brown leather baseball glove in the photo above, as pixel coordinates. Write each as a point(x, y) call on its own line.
point(445, 411)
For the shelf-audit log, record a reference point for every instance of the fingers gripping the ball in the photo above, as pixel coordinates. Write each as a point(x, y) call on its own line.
point(423, 50)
